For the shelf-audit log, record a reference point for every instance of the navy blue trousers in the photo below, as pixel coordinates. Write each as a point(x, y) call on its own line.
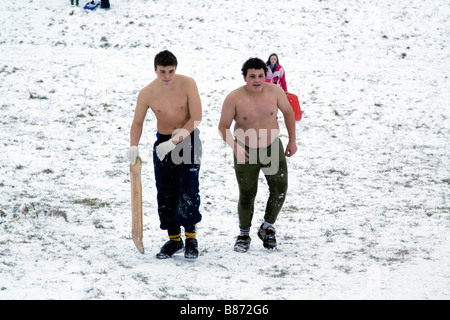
point(177, 183)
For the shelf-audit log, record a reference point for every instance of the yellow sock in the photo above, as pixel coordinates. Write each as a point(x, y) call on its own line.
point(176, 237)
point(190, 235)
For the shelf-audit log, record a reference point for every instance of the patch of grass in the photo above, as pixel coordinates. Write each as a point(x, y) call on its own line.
point(91, 202)
point(34, 96)
point(98, 224)
point(402, 252)
point(35, 209)
point(141, 277)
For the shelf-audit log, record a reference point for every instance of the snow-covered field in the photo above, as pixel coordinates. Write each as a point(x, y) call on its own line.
point(367, 215)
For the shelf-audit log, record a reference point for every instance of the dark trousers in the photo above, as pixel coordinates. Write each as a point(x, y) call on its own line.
point(105, 4)
point(177, 183)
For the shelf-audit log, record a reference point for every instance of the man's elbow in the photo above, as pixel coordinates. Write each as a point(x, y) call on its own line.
point(197, 121)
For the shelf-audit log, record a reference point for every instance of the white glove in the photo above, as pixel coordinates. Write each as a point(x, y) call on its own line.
point(164, 148)
point(132, 154)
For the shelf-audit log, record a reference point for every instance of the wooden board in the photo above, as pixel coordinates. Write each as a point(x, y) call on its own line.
point(136, 205)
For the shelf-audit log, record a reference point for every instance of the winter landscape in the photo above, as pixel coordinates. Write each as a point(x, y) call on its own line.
point(367, 214)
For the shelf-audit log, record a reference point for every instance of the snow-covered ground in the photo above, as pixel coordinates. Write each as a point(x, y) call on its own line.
point(367, 215)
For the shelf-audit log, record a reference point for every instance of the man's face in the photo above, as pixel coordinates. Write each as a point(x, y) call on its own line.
point(255, 79)
point(165, 74)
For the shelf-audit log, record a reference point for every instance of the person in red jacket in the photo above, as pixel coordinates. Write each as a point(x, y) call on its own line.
point(275, 72)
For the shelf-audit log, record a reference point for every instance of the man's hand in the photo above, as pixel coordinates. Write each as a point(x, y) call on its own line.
point(241, 154)
point(132, 154)
point(164, 148)
point(291, 149)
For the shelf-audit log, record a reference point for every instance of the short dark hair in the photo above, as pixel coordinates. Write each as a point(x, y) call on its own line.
point(254, 63)
point(165, 59)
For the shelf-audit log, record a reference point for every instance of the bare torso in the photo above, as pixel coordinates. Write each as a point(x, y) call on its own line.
point(253, 107)
point(256, 117)
point(170, 105)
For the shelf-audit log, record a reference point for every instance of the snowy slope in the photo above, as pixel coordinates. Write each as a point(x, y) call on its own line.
point(367, 215)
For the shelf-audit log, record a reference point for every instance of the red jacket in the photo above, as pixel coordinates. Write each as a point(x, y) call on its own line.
point(278, 76)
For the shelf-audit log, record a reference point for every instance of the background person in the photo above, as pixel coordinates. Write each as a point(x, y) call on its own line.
point(275, 72)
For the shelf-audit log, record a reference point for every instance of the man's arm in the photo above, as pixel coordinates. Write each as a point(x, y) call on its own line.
point(226, 119)
point(289, 120)
point(138, 122)
point(195, 111)
point(136, 128)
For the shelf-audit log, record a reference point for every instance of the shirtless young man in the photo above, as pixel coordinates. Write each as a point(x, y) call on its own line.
point(256, 145)
point(175, 101)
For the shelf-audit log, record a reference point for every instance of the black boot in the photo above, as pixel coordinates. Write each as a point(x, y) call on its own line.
point(191, 250)
point(242, 243)
point(268, 237)
point(170, 248)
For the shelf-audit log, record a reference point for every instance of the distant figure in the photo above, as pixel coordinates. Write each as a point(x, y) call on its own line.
point(275, 72)
point(105, 4)
point(92, 5)
point(71, 2)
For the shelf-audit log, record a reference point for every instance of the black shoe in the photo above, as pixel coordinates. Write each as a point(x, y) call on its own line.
point(242, 243)
point(169, 249)
point(268, 237)
point(191, 249)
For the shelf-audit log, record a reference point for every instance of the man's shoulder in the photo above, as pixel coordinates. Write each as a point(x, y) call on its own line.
point(149, 87)
point(147, 92)
point(272, 88)
point(184, 79)
point(182, 76)
point(237, 93)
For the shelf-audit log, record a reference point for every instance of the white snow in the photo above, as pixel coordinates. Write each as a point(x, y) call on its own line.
point(367, 214)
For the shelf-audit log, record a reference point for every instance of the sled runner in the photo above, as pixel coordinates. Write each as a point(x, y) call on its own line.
point(293, 100)
point(136, 205)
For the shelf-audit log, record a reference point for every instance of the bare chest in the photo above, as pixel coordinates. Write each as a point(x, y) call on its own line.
point(256, 111)
point(171, 111)
point(170, 106)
